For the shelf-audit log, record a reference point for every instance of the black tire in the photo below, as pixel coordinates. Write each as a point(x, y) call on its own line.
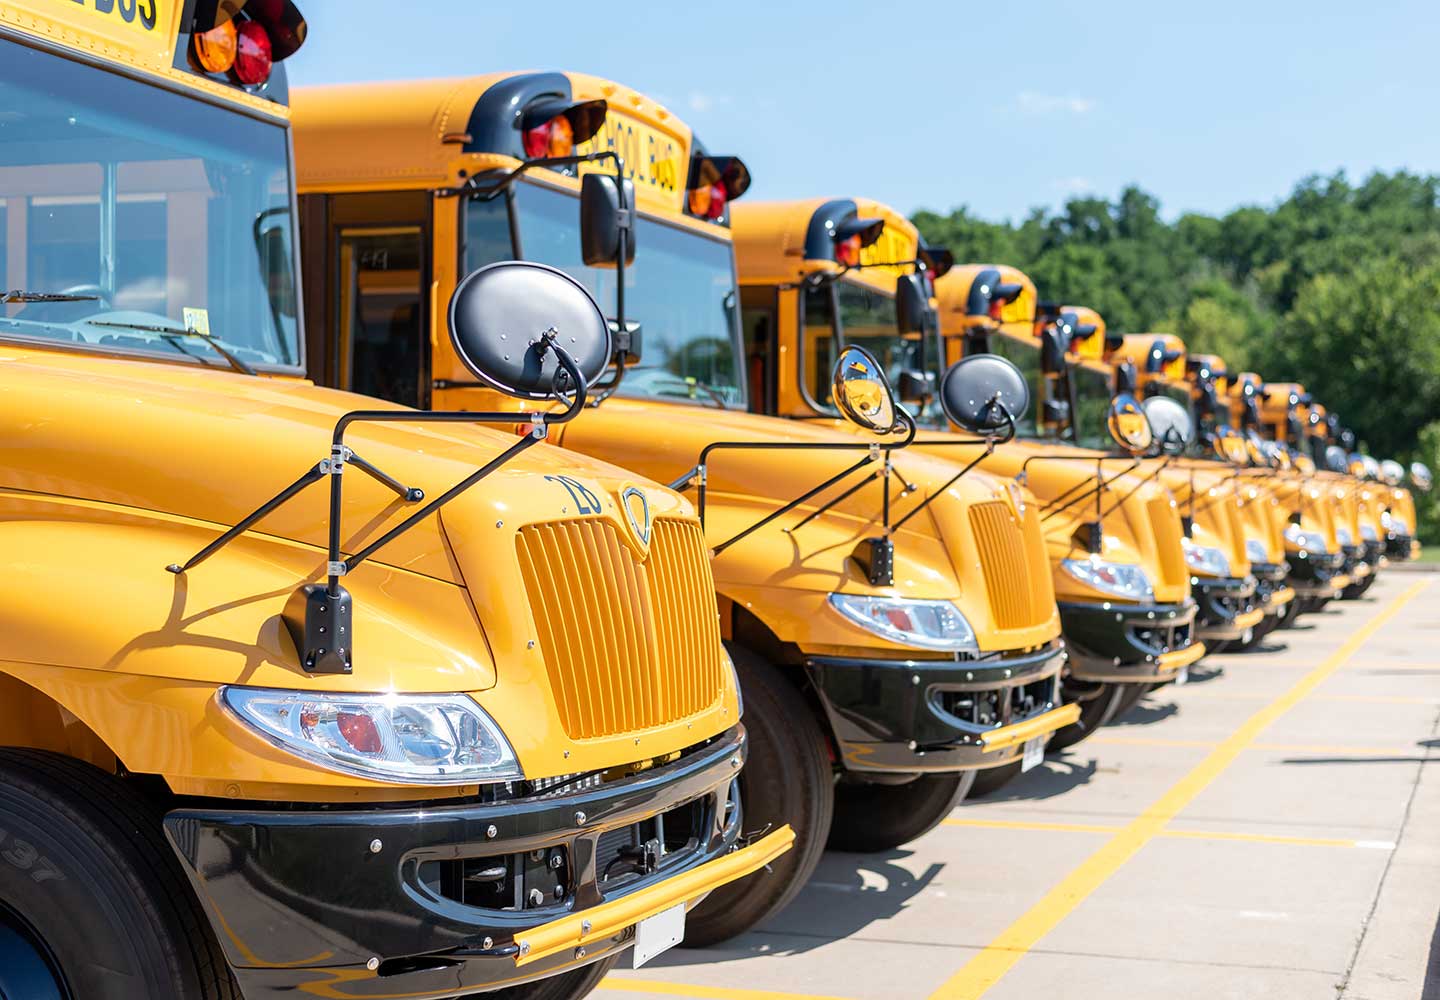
point(991, 779)
point(87, 870)
point(871, 817)
point(1129, 698)
point(1267, 625)
point(787, 779)
point(1291, 613)
point(1097, 707)
point(574, 985)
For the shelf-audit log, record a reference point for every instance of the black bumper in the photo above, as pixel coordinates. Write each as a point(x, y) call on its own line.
point(301, 901)
point(1269, 580)
point(1118, 643)
point(1397, 546)
point(1311, 573)
point(913, 716)
point(1226, 604)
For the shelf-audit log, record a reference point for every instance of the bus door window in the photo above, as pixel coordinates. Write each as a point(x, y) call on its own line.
point(380, 350)
point(759, 316)
point(818, 348)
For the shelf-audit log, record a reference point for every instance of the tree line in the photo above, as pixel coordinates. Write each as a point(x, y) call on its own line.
point(1337, 286)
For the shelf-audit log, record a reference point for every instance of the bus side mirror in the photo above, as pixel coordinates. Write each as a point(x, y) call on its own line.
point(916, 387)
point(1052, 351)
point(861, 391)
point(602, 220)
point(1128, 425)
point(1125, 379)
point(912, 301)
point(1170, 423)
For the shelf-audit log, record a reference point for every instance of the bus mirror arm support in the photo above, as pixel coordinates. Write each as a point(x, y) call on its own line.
point(320, 615)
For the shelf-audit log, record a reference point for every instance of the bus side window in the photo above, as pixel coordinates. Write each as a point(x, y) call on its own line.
point(817, 342)
point(759, 315)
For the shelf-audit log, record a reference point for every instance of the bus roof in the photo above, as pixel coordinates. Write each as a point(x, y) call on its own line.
point(435, 133)
point(778, 242)
point(1139, 349)
point(153, 38)
point(959, 294)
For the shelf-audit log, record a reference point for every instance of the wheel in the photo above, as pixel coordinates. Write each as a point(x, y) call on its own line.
point(1267, 625)
point(1291, 612)
point(788, 779)
point(1129, 698)
point(573, 985)
point(873, 817)
point(1097, 703)
point(95, 904)
point(992, 779)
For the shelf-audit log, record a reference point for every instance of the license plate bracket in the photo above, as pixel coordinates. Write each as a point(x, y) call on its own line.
point(1033, 754)
point(656, 935)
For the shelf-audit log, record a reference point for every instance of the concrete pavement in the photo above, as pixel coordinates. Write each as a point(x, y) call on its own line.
point(1271, 829)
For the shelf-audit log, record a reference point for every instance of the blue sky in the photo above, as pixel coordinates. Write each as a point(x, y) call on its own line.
point(935, 105)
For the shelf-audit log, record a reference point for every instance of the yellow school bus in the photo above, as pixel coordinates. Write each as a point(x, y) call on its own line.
point(301, 692)
point(1114, 532)
point(881, 663)
point(1233, 517)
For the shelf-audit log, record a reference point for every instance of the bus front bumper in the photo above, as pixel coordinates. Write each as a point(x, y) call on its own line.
point(1228, 607)
point(925, 716)
point(1317, 575)
point(433, 901)
point(1111, 643)
point(1271, 591)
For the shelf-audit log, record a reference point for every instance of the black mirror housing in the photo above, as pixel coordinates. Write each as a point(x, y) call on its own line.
point(628, 343)
point(912, 302)
point(1052, 351)
point(915, 386)
point(602, 221)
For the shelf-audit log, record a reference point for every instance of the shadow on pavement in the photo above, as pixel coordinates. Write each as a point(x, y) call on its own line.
point(1430, 744)
point(847, 893)
point(1055, 777)
point(1146, 713)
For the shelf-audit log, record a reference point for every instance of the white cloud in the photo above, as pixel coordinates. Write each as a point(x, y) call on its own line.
point(706, 102)
point(1072, 185)
point(1032, 103)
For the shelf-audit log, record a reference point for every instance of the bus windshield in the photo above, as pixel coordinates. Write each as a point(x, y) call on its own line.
point(150, 213)
point(1092, 406)
point(681, 289)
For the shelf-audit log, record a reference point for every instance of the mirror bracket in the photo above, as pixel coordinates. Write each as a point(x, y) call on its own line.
point(876, 557)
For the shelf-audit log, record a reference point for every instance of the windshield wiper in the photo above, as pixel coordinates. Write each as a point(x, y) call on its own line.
point(171, 331)
point(689, 386)
point(20, 295)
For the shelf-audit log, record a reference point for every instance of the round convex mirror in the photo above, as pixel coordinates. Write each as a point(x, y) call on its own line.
point(1335, 458)
point(861, 391)
point(1170, 423)
point(1390, 472)
point(984, 393)
point(500, 314)
point(1420, 476)
point(1128, 424)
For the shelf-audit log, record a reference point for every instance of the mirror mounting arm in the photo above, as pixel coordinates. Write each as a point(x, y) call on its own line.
point(488, 186)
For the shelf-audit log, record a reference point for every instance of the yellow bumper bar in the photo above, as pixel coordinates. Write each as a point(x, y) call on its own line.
point(1340, 581)
point(1281, 597)
point(1249, 619)
point(1177, 658)
point(1415, 550)
point(1009, 736)
point(608, 919)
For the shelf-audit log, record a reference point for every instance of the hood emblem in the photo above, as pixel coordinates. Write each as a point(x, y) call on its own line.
point(637, 512)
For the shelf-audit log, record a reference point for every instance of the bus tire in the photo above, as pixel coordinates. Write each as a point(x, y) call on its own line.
point(1096, 708)
point(1129, 698)
point(990, 780)
point(89, 884)
point(573, 985)
point(874, 817)
point(788, 778)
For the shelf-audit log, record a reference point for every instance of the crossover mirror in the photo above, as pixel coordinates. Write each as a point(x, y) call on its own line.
point(1391, 472)
point(1420, 476)
point(1128, 424)
point(602, 221)
point(1254, 447)
point(1230, 446)
point(862, 392)
point(912, 301)
point(500, 317)
point(1335, 458)
point(1170, 424)
point(984, 393)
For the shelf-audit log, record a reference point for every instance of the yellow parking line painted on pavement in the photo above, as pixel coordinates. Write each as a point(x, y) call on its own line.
point(1380, 699)
point(618, 983)
point(1253, 838)
point(987, 968)
point(1334, 751)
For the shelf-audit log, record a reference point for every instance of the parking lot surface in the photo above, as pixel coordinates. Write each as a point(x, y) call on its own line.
point(1269, 830)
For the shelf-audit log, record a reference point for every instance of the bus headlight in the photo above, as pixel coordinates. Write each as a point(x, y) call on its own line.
point(1305, 541)
point(1204, 559)
point(1368, 533)
point(924, 623)
point(1121, 579)
point(1342, 535)
point(431, 739)
point(1255, 551)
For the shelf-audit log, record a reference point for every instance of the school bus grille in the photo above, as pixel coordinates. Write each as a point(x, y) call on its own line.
point(1012, 558)
point(1238, 556)
point(1165, 522)
point(628, 644)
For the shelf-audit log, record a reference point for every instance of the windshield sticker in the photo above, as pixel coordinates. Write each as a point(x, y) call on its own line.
point(197, 320)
